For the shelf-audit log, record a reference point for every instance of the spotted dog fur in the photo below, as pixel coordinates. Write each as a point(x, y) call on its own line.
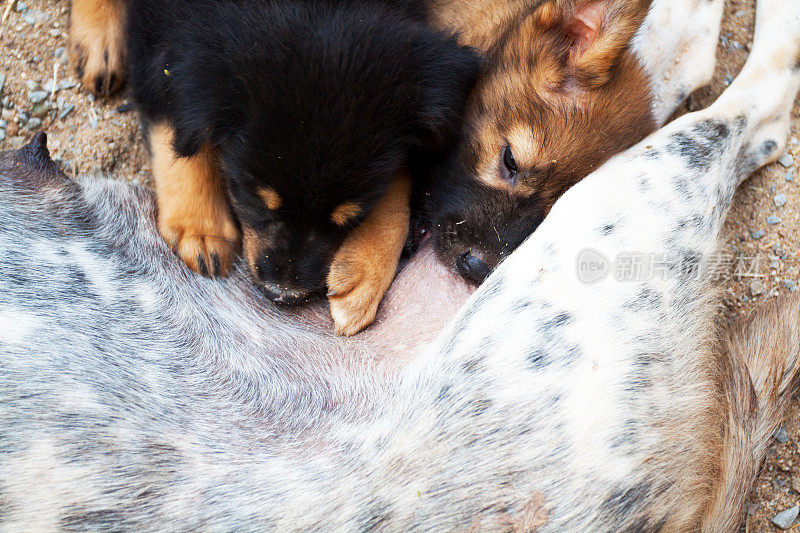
point(137, 396)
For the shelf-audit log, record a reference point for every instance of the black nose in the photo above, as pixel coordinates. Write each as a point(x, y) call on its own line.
point(472, 267)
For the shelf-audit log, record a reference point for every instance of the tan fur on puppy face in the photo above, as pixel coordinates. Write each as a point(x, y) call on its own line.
point(562, 111)
point(271, 198)
point(97, 44)
point(556, 138)
point(345, 213)
point(193, 214)
point(561, 93)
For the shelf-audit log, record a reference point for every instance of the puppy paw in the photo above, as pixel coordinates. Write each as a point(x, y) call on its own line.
point(356, 285)
point(194, 216)
point(208, 245)
point(366, 263)
point(97, 44)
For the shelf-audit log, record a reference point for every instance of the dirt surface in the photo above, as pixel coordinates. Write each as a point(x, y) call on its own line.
point(89, 135)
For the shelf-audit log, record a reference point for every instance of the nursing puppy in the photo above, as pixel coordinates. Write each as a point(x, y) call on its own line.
point(562, 92)
point(137, 397)
point(293, 127)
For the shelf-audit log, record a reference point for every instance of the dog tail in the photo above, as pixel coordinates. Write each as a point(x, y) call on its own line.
point(762, 353)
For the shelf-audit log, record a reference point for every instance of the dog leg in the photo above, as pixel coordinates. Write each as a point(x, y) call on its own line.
point(677, 44)
point(97, 44)
point(365, 265)
point(193, 212)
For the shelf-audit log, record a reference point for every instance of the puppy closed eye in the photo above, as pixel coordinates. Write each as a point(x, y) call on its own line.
point(271, 198)
point(345, 213)
point(510, 166)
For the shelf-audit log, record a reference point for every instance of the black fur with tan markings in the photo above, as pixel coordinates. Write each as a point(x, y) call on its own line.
point(321, 102)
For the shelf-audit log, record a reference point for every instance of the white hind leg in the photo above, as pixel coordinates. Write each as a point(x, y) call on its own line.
point(678, 46)
point(768, 83)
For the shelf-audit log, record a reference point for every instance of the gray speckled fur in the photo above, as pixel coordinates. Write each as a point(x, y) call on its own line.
point(136, 396)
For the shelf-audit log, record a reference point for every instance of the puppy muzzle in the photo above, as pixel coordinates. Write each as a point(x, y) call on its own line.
point(284, 295)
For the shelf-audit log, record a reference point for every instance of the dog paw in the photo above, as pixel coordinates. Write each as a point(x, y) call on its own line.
point(356, 285)
point(208, 245)
point(97, 44)
point(366, 263)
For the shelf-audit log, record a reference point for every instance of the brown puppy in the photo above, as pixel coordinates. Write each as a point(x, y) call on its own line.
point(562, 94)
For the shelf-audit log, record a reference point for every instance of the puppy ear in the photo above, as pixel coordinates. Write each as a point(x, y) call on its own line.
point(203, 117)
point(596, 32)
point(198, 126)
point(449, 74)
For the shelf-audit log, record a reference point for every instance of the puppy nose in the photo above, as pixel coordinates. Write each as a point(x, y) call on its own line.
point(472, 267)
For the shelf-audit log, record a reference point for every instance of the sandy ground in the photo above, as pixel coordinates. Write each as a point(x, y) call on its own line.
point(88, 135)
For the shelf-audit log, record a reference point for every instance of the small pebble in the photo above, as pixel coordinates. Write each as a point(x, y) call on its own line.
point(794, 140)
point(68, 84)
point(781, 435)
point(93, 122)
point(2, 81)
point(40, 110)
point(21, 6)
point(124, 108)
point(2, 135)
point(757, 287)
point(12, 129)
point(22, 118)
point(790, 175)
point(786, 160)
point(60, 51)
point(757, 234)
point(55, 32)
point(30, 18)
point(37, 59)
point(774, 264)
point(785, 519)
point(790, 285)
point(728, 80)
point(773, 220)
point(32, 85)
point(780, 200)
point(67, 110)
point(33, 124)
point(37, 96)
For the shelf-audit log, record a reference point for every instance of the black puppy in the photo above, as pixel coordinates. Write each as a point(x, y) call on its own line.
point(290, 126)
